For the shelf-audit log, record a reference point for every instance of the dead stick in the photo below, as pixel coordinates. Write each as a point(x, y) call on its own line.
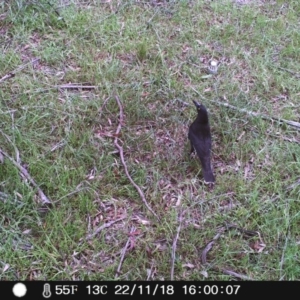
point(284, 252)
point(43, 197)
point(105, 225)
point(297, 75)
point(292, 186)
point(13, 73)
point(75, 86)
point(120, 148)
point(252, 113)
point(210, 245)
point(23, 66)
point(255, 114)
point(237, 275)
point(174, 246)
point(7, 76)
point(124, 252)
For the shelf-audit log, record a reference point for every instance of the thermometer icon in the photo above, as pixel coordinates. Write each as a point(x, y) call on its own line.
point(46, 291)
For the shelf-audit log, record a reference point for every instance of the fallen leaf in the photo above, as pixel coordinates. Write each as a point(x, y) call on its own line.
point(204, 273)
point(6, 267)
point(258, 246)
point(188, 265)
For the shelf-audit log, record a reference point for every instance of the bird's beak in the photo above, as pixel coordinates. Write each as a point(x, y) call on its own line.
point(198, 105)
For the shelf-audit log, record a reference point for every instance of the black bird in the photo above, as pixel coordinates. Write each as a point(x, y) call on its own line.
point(200, 138)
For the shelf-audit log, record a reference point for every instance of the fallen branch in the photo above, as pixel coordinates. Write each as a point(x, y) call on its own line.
point(174, 246)
point(105, 225)
point(124, 250)
point(25, 173)
point(120, 148)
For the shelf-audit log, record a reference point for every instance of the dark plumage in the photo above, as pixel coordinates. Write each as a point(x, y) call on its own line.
point(200, 138)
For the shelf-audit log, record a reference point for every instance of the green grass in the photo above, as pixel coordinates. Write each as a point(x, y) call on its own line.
point(155, 58)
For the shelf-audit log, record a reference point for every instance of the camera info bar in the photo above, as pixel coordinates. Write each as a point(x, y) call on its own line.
point(104, 289)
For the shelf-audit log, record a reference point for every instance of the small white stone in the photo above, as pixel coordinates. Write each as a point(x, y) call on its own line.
point(213, 63)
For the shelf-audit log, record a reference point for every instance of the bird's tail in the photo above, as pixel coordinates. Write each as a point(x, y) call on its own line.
point(207, 171)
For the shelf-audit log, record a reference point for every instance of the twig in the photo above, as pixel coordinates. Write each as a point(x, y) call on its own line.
point(13, 73)
point(251, 113)
point(255, 114)
point(105, 225)
point(150, 272)
point(205, 250)
point(237, 275)
point(89, 223)
point(244, 231)
point(222, 230)
point(297, 75)
point(76, 86)
point(210, 244)
point(24, 172)
point(8, 111)
point(7, 76)
point(291, 140)
point(228, 207)
point(25, 65)
point(104, 103)
point(283, 254)
point(175, 245)
point(293, 185)
point(120, 148)
point(124, 252)
point(288, 189)
point(56, 11)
